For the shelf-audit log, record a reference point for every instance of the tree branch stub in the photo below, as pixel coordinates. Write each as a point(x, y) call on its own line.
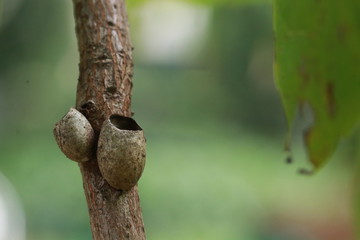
point(104, 89)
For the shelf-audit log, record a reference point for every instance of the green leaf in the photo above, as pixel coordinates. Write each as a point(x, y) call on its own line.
point(317, 63)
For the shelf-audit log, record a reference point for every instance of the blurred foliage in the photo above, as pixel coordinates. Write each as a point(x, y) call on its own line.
point(135, 3)
point(214, 169)
point(1, 10)
point(230, 80)
point(228, 2)
point(316, 64)
point(241, 56)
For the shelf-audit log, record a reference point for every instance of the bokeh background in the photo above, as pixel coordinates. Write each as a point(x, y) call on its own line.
point(205, 96)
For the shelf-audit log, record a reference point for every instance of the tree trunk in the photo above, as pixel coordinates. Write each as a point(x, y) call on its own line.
point(104, 88)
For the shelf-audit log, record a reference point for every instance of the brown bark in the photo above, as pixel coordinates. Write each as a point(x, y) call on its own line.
point(104, 88)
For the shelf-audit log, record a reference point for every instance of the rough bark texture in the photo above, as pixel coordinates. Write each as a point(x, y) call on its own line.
point(104, 88)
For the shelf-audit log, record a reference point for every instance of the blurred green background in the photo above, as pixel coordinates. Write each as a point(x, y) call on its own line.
point(203, 93)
